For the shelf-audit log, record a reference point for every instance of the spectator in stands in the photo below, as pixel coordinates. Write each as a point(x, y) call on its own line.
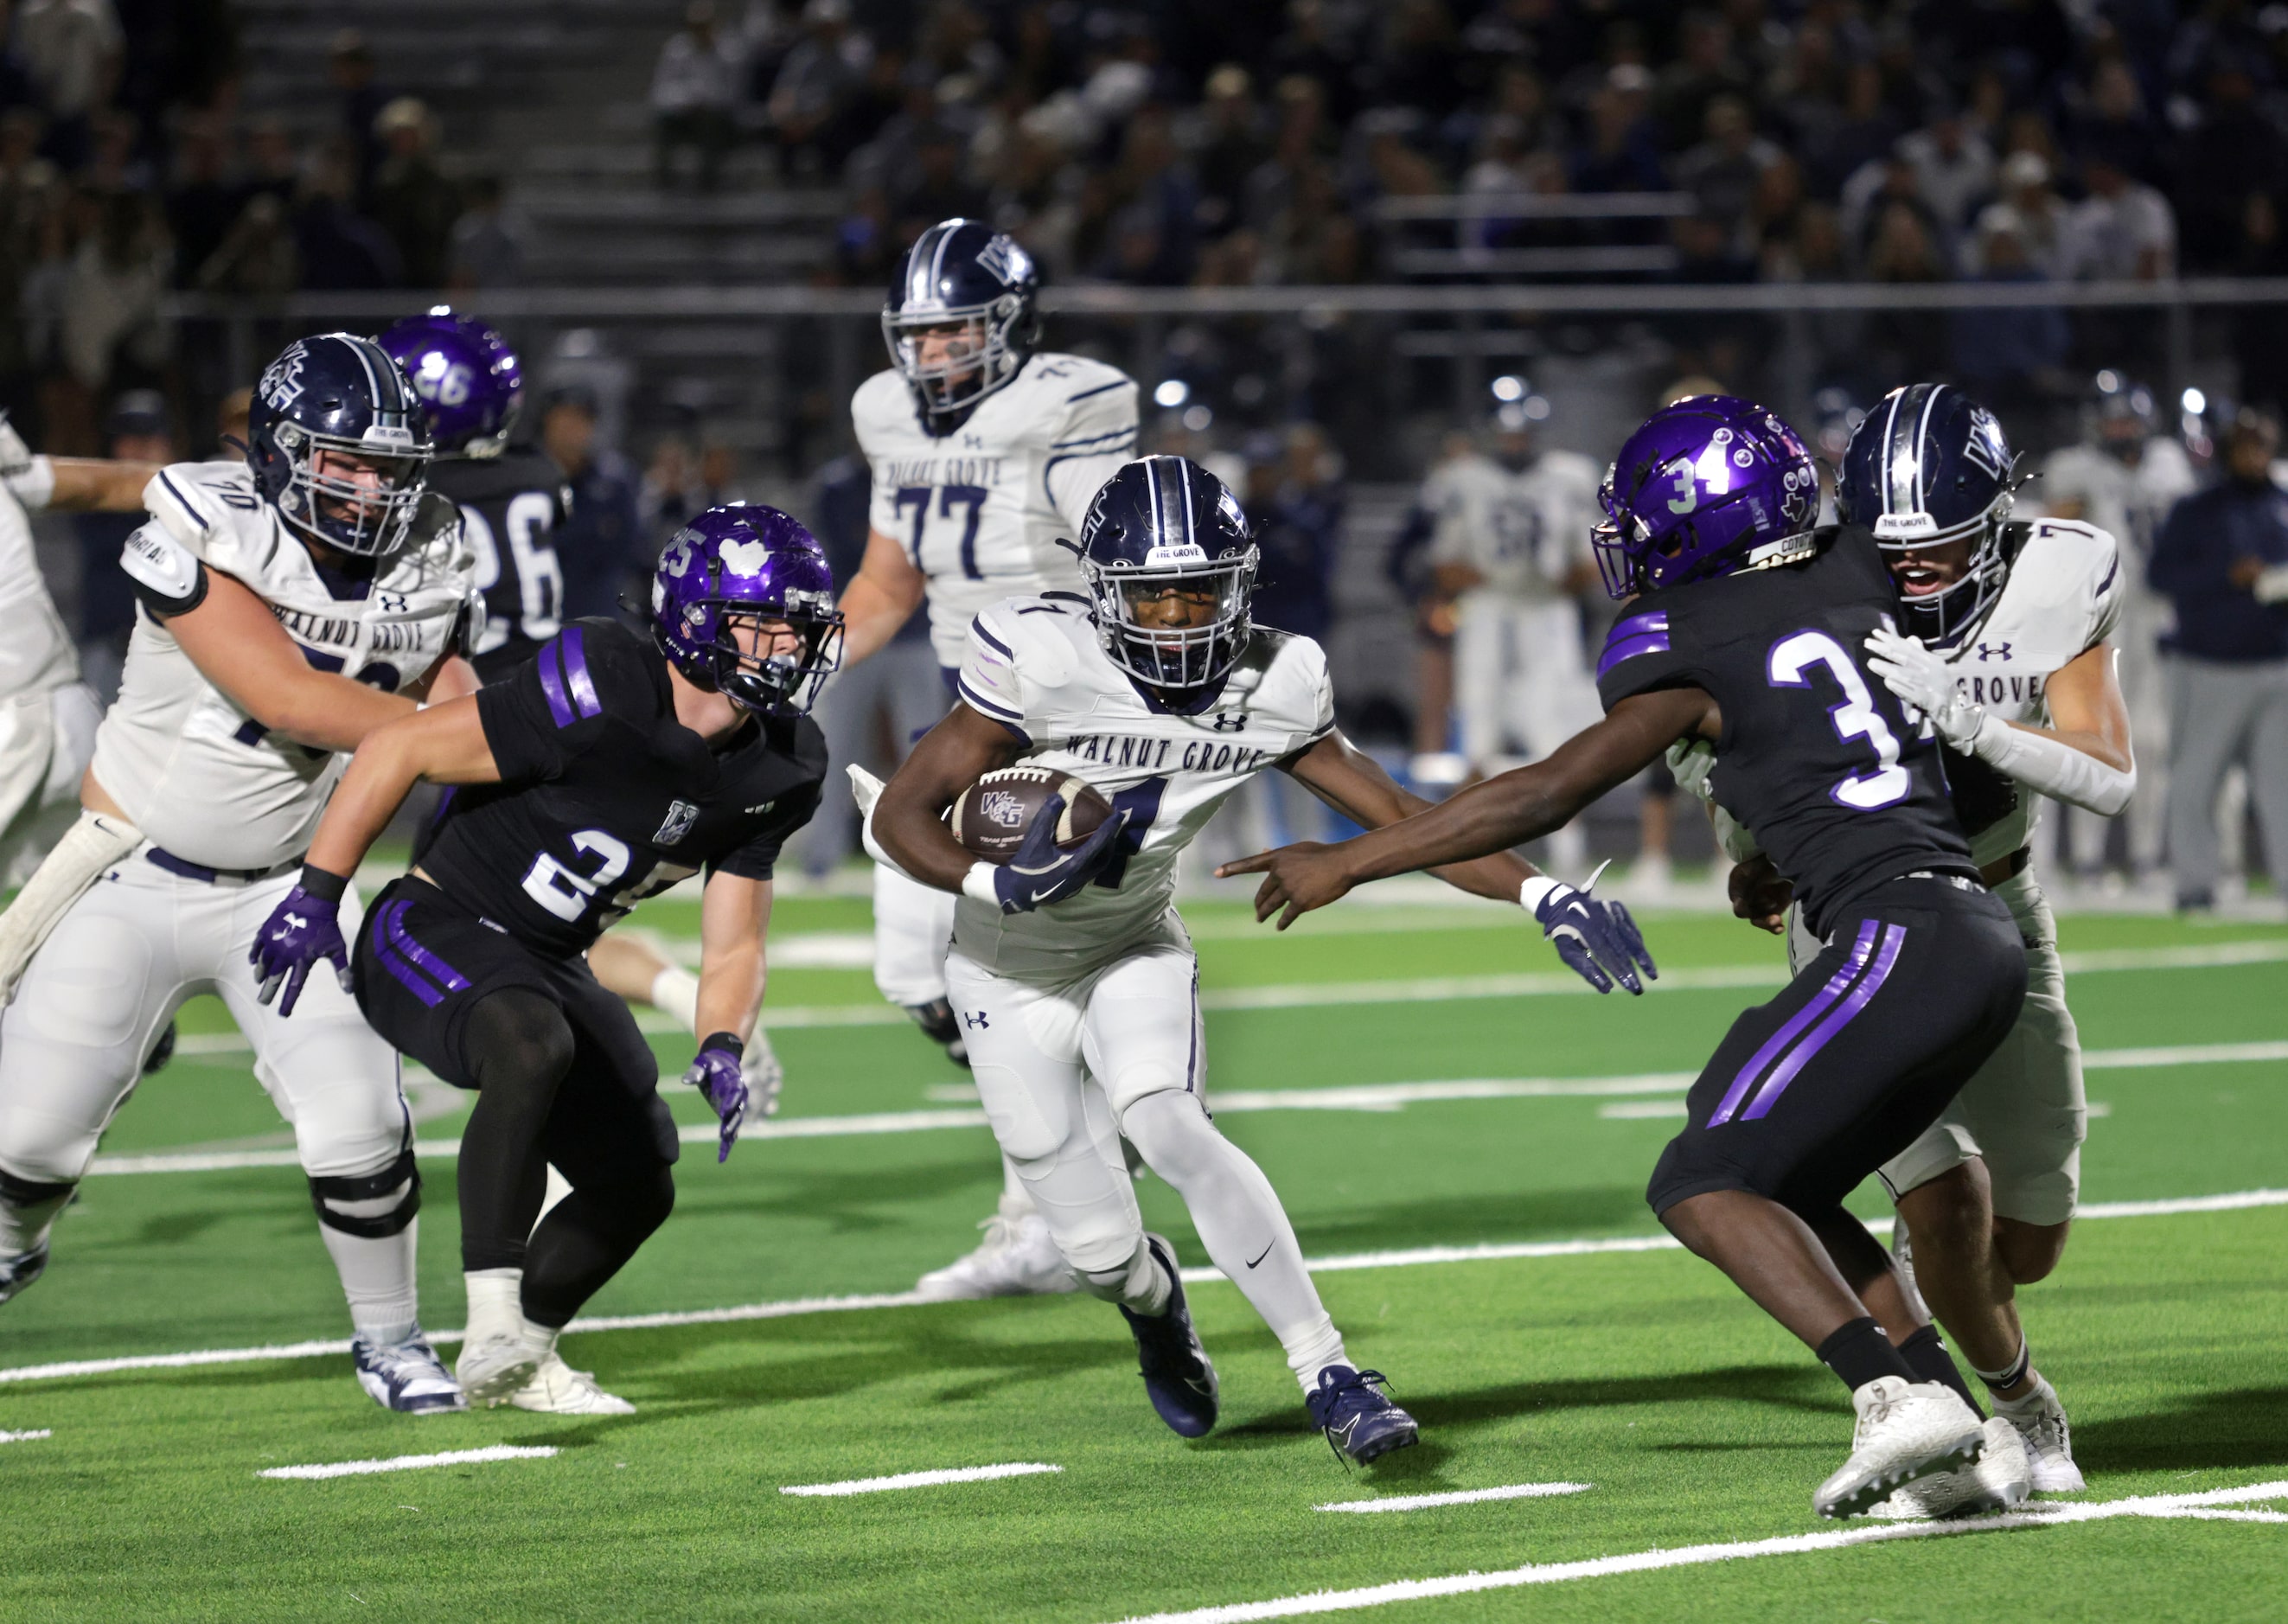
point(599, 544)
point(1724, 170)
point(1295, 500)
point(1228, 144)
point(1418, 59)
point(339, 248)
point(258, 256)
point(487, 247)
point(814, 84)
point(1705, 68)
point(203, 200)
point(27, 184)
point(694, 89)
point(934, 187)
point(349, 66)
point(1865, 131)
point(113, 333)
point(412, 200)
point(2038, 214)
point(70, 49)
point(2235, 153)
point(2123, 231)
point(1953, 167)
point(273, 165)
point(137, 430)
point(1621, 153)
point(2112, 121)
point(2011, 356)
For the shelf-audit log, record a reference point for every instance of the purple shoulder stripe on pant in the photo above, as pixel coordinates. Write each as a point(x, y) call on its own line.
point(409, 978)
point(443, 974)
point(1820, 1003)
point(551, 682)
point(576, 672)
point(1894, 937)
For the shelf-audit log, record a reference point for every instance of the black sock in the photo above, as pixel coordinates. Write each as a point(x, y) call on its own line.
point(1859, 1353)
point(585, 1239)
point(517, 1045)
point(1925, 1355)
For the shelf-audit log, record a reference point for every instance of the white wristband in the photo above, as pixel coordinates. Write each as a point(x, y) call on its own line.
point(1535, 891)
point(977, 885)
point(34, 484)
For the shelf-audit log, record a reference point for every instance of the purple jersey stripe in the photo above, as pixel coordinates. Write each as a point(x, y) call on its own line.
point(576, 672)
point(1894, 937)
point(412, 980)
point(1818, 1006)
point(1651, 642)
point(551, 684)
point(446, 975)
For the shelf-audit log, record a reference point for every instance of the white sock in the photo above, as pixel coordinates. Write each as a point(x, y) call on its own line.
point(23, 1228)
point(495, 1304)
point(377, 1279)
point(676, 991)
point(1312, 1349)
point(1140, 1285)
point(1016, 1200)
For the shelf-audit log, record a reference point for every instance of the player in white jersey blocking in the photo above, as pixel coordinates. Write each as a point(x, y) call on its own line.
point(984, 451)
point(288, 607)
point(1511, 547)
point(2008, 652)
point(1074, 981)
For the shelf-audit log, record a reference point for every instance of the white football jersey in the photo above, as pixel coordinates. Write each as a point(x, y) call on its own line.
point(1034, 665)
point(197, 774)
point(980, 510)
point(1525, 532)
point(36, 651)
point(2129, 503)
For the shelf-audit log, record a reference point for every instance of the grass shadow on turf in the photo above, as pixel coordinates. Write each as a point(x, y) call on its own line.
point(2237, 1427)
point(847, 1204)
point(1476, 1220)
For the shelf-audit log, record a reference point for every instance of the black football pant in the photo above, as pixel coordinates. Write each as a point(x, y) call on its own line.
point(1808, 1094)
point(562, 1076)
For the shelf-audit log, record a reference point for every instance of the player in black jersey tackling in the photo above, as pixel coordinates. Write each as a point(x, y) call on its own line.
point(596, 774)
point(1745, 627)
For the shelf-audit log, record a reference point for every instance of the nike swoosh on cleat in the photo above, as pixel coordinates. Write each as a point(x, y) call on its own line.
point(1259, 1256)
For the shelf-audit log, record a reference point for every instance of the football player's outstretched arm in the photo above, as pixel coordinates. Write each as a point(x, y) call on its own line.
point(1487, 817)
point(880, 598)
point(910, 819)
point(1353, 783)
point(735, 912)
point(445, 743)
point(238, 645)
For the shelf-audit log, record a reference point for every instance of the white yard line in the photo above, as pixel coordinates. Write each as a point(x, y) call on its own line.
point(25, 1438)
point(414, 1463)
point(1416, 1257)
point(1695, 1556)
point(921, 1480)
point(1464, 1497)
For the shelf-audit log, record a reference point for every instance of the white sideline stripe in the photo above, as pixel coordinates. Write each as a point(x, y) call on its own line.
point(25, 1438)
point(922, 1480)
point(1640, 1110)
point(1359, 1096)
point(414, 1463)
point(2237, 1201)
point(1416, 1503)
point(1695, 1556)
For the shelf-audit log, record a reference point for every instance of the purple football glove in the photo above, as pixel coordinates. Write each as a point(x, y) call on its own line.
point(715, 1073)
point(1597, 940)
point(302, 932)
point(1038, 873)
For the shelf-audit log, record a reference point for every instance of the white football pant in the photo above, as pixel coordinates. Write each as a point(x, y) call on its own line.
point(913, 927)
point(1522, 681)
point(47, 741)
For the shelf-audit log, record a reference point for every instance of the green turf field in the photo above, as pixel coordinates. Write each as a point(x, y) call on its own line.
point(1692, 1420)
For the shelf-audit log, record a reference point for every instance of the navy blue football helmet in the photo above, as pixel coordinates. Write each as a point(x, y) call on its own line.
point(1927, 467)
point(340, 395)
point(970, 282)
point(1171, 571)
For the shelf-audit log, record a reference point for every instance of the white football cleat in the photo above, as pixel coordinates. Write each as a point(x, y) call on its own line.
point(20, 1270)
point(407, 1376)
point(556, 1388)
point(2001, 1479)
point(2040, 1420)
point(499, 1365)
point(759, 1069)
point(1906, 1431)
point(1018, 1258)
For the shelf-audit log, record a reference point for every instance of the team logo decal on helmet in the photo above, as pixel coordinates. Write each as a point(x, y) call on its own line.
point(1170, 572)
point(1927, 468)
point(960, 321)
point(338, 442)
point(755, 570)
point(1709, 485)
point(468, 378)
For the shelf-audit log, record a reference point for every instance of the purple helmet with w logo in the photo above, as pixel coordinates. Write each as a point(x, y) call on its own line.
point(742, 605)
point(466, 375)
point(1707, 486)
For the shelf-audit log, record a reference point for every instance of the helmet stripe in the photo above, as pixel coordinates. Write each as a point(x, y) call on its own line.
point(1922, 444)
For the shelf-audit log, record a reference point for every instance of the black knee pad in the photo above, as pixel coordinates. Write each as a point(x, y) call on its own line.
point(371, 1187)
point(26, 1192)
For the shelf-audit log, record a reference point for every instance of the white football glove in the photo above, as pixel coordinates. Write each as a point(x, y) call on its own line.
point(1924, 682)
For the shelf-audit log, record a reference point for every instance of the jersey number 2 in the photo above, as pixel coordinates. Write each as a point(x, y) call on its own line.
point(565, 892)
point(1790, 661)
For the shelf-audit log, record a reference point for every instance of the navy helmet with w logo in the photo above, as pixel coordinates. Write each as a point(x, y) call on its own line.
point(960, 320)
point(1927, 467)
point(1170, 570)
point(338, 441)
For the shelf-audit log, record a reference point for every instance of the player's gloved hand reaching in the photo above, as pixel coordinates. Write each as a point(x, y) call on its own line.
point(1923, 680)
point(715, 1073)
point(1038, 872)
point(302, 932)
point(1597, 939)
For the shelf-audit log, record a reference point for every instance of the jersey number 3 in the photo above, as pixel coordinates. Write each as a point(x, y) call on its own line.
point(1791, 660)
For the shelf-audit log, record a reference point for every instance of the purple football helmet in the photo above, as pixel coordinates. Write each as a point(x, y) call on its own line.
point(467, 378)
point(739, 567)
point(1704, 487)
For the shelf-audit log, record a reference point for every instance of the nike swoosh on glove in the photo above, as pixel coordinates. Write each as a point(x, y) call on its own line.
point(1598, 940)
point(1038, 873)
point(715, 1073)
point(302, 932)
point(1924, 680)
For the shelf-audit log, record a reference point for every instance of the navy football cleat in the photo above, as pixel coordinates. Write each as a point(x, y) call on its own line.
point(1177, 1374)
point(20, 1270)
point(409, 1377)
point(1359, 1419)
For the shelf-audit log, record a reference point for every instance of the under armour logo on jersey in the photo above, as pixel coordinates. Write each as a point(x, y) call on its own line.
point(1231, 721)
point(766, 806)
point(973, 1022)
point(1993, 651)
point(681, 816)
point(390, 603)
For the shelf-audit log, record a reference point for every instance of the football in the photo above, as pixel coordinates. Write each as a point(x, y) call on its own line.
point(992, 817)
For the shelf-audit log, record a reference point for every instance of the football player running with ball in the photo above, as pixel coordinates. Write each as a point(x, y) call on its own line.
point(985, 450)
point(1075, 982)
point(1745, 626)
point(288, 608)
point(599, 773)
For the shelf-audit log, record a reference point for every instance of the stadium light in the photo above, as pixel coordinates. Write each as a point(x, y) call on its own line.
point(1172, 392)
point(1507, 387)
point(2195, 402)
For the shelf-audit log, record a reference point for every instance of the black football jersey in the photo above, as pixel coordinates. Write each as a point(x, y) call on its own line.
point(605, 798)
point(1815, 756)
point(511, 507)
